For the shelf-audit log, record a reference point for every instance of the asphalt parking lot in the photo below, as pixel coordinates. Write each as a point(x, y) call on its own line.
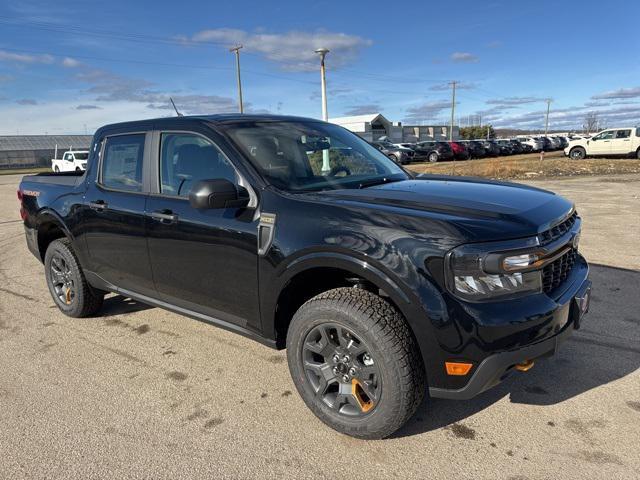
point(143, 393)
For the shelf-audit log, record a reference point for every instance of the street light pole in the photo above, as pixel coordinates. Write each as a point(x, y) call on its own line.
point(326, 165)
point(237, 52)
point(453, 109)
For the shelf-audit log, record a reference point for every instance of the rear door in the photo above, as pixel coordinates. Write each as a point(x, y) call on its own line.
point(203, 260)
point(113, 214)
point(621, 142)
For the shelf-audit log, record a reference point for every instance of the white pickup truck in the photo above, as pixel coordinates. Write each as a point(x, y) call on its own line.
point(612, 142)
point(72, 160)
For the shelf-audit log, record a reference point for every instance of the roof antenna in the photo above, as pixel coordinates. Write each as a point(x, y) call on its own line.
point(175, 108)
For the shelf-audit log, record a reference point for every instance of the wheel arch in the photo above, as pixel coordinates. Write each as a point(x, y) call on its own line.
point(315, 273)
point(50, 227)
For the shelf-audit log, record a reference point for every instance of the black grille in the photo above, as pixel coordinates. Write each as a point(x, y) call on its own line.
point(556, 272)
point(558, 230)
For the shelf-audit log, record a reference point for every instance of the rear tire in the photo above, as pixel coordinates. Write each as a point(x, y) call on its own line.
point(68, 287)
point(578, 153)
point(384, 357)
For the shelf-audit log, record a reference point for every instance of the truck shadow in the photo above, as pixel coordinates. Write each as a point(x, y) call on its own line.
point(605, 349)
point(119, 305)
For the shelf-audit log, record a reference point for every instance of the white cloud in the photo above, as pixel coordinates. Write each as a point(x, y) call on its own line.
point(633, 92)
point(293, 50)
point(26, 101)
point(447, 86)
point(464, 57)
point(427, 111)
point(6, 56)
point(70, 62)
point(363, 109)
point(514, 100)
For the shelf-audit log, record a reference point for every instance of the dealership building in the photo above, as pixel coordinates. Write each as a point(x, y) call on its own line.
point(373, 126)
point(24, 151)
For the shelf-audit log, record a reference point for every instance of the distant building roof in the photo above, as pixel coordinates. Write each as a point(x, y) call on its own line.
point(44, 142)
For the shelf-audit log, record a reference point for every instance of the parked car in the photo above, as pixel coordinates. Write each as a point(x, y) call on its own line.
point(516, 146)
point(547, 145)
point(406, 283)
point(460, 151)
point(401, 155)
point(492, 149)
point(71, 161)
point(536, 144)
point(434, 151)
point(475, 148)
point(505, 147)
point(615, 142)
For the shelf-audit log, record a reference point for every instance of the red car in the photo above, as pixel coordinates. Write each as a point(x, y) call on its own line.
point(460, 151)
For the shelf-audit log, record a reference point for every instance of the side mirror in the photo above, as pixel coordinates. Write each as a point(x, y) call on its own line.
point(218, 193)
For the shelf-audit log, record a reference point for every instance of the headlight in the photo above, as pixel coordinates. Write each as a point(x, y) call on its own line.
point(481, 272)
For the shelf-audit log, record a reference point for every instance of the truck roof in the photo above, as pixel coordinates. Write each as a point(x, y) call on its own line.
point(219, 119)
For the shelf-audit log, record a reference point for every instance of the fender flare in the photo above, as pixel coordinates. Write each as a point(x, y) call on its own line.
point(406, 300)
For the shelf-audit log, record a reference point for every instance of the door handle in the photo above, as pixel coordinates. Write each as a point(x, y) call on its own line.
point(98, 205)
point(164, 216)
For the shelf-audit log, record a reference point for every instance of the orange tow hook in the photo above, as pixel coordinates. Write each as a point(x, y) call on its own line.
point(525, 366)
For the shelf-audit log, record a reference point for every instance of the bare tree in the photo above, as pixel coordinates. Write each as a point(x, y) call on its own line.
point(590, 122)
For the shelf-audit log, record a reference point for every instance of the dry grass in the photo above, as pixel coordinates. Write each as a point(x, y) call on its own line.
point(555, 164)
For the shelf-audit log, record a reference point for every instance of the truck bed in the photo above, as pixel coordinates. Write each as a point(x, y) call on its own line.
point(70, 179)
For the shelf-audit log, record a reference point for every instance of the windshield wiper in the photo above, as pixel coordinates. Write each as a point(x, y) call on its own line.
point(376, 181)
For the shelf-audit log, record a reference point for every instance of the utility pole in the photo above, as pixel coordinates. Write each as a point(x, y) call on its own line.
point(326, 165)
point(236, 49)
point(546, 123)
point(453, 108)
point(546, 127)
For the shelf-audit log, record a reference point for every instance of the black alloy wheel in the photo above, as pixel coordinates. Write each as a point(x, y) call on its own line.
point(62, 279)
point(341, 370)
point(67, 284)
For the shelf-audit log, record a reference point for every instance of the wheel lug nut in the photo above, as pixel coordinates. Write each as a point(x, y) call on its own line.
point(345, 378)
point(352, 371)
point(336, 358)
point(335, 370)
point(346, 359)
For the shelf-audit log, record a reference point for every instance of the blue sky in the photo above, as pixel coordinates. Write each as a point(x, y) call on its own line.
point(71, 66)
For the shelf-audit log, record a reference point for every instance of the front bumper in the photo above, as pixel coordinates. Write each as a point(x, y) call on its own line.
point(571, 305)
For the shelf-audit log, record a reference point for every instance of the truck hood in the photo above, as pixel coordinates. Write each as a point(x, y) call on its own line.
point(482, 210)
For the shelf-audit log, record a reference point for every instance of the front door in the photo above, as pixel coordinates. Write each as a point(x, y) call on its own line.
point(112, 216)
point(202, 260)
point(601, 143)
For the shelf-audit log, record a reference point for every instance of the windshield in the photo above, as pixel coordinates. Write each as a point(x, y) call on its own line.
point(313, 156)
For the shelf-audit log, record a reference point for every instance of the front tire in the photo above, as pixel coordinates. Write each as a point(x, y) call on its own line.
point(68, 287)
point(355, 363)
point(56, 169)
point(578, 153)
point(433, 157)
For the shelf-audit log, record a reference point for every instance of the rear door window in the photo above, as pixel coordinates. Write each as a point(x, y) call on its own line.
point(122, 162)
point(623, 133)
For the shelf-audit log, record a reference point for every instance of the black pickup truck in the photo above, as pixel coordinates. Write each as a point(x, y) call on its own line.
point(382, 285)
